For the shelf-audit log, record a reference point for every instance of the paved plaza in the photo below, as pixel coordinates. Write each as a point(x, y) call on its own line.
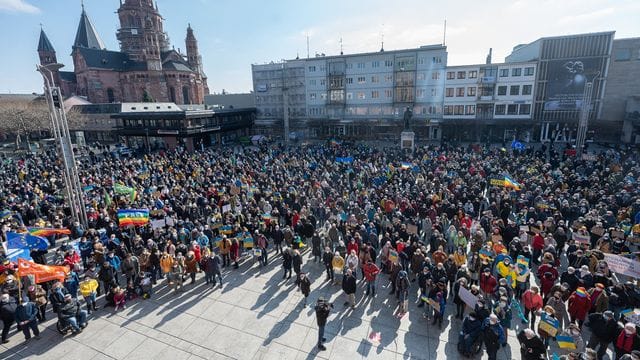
point(257, 315)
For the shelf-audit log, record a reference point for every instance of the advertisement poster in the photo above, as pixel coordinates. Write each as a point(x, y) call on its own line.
point(566, 82)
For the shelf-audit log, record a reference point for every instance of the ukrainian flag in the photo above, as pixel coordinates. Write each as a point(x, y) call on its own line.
point(565, 342)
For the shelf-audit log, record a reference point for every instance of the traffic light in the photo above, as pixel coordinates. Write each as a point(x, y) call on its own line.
point(56, 98)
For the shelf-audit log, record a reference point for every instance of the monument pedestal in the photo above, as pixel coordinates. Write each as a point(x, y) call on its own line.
point(407, 140)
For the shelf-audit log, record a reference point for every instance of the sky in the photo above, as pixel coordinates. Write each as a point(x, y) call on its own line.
point(233, 34)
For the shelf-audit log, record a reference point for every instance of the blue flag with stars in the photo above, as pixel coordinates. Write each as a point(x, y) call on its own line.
point(26, 241)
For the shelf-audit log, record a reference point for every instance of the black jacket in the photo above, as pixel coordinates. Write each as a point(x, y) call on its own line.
point(8, 310)
point(322, 312)
point(531, 349)
point(605, 330)
point(349, 284)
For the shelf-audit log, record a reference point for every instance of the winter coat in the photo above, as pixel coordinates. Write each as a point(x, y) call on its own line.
point(603, 329)
point(531, 349)
point(212, 265)
point(370, 271)
point(349, 284)
point(579, 306)
point(8, 309)
point(287, 260)
point(191, 264)
point(26, 312)
point(305, 286)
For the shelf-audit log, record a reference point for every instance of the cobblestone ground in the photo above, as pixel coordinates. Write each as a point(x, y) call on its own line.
point(256, 315)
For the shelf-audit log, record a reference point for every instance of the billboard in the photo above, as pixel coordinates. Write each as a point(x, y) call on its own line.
point(566, 82)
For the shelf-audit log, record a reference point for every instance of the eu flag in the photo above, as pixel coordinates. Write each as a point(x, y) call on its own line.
point(26, 241)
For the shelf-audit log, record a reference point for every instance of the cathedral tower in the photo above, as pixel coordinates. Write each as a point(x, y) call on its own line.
point(141, 34)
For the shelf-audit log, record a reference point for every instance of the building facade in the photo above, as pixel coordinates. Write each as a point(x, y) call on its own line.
point(145, 68)
point(359, 96)
point(488, 102)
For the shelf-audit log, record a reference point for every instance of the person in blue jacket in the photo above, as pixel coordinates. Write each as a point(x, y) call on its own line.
point(493, 336)
point(471, 328)
point(26, 317)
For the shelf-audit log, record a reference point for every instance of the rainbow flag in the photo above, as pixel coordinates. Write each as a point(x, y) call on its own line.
point(565, 342)
point(406, 165)
point(581, 292)
point(46, 232)
point(511, 183)
point(133, 217)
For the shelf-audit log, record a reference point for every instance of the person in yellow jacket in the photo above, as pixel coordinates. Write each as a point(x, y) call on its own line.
point(225, 248)
point(89, 290)
point(507, 270)
point(338, 266)
point(166, 263)
point(459, 257)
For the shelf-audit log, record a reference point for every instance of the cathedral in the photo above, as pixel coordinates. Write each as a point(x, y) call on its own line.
point(146, 69)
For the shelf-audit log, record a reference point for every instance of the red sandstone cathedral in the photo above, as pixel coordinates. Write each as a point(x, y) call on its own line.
point(145, 69)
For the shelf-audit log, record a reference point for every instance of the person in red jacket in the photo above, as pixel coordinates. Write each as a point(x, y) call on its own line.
point(538, 245)
point(488, 282)
point(234, 252)
point(547, 283)
point(547, 267)
point(371, 271)
point(532, 302)
point(579, 305)
point(352, 245)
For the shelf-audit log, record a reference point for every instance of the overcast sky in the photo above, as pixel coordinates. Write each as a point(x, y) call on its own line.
point(234, 34)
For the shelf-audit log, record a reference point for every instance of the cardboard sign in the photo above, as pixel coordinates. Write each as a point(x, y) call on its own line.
point(226, 208)
point(393, 256)
point(234, 190)
point(412, 229)
point(549, 325)
point(467, 297)
point(623, 265)
point(617, 234)
point(534, 229)
point(158, 224)
point(583, 239)
point(597, 230)
point(434, 304)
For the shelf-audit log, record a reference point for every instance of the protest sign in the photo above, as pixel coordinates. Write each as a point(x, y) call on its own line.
point(467, 297)
point(549, 325)
point(158, 224)
point(580, 238)
point(393, 256)
point(226, 208)
point(623, 265)
point(434, 304)
point(617, 234)
point(597, 230)
point(412, 229)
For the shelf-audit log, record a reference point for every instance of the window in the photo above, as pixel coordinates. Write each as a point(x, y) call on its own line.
point(361, 65)
point(451, 75)
point(435, 75)
point(312, 68)
point(434, 92)
point(172, 94)
point(111, 96)
point(502, 90)
point(312, 96)
point(361, 80)
point(448, 110)
point(449, 92)
point(388, 63)
point(622, 55)
point(375, 94)
point(388, 93)
point(420, 93)
point(312, 82)
point(388, 78)
point(349, 96)
point(528, 71)
point(471, 91)
point(361, 96)
point(322, 68)
point(436, 60)
point(375, 64)
point(473, 74)
point(185, 95)
point(462, 74)
point(504, 72)
point(470, 110)
point(516, 71)
point(350, 66)
point(420, 76)
point(512, 109)
point(460, 91)
point(500, 109)
point(349, 80)
point(525, 109)
point(323, 96)
point(323, 82)
point(421, 61)
point(458, 109)
point(526, 89)
point(514, 90)
point(375, 79)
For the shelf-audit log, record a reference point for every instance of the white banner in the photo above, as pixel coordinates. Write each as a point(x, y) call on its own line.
point(468, 298)
point(623, 265)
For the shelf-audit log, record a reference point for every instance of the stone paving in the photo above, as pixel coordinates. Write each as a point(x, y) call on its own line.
point(256, 315)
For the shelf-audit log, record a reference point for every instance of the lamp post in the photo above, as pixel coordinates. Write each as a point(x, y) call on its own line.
point(583, 123)
point(60, 129)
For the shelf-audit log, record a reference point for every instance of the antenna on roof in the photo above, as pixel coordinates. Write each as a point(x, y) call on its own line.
point(382, 39)
point(307, 34)
point(444, 36)
point(341, 52)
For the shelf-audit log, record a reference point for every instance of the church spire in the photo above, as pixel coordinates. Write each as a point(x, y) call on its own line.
point(46, 52)
point(86, 36)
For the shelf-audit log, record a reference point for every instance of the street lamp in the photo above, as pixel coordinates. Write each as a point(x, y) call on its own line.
point(583, 123)
point(60, 129)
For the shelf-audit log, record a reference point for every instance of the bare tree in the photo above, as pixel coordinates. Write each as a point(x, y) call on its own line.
point(24, 117)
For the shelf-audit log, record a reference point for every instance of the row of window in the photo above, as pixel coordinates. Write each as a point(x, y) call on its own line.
point(500, 109)
point(501, 91)
point(374, 79)
point(473, 74)
point(374, 110)
point(375, 94)
point(377, 64)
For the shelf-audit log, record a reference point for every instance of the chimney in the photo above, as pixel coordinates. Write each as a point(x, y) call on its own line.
point(489, 56)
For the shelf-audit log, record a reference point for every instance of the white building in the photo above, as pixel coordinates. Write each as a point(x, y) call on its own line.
point(360, 96)
point(491, 101)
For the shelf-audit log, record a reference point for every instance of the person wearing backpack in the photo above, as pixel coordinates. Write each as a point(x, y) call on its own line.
point(493, 336)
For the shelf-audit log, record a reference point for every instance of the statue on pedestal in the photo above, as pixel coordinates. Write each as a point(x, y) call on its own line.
point(408, 114)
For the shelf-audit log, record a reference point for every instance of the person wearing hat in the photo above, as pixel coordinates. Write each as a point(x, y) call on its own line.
point(627, 340)
point(323, 309)
point(599, 299)
point(579, 305)
point(493, 336)
point(402, 288)
point(7, 314)
point(604, 329)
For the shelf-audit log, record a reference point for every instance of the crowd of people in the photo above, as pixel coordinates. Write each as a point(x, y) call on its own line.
point(430, 226)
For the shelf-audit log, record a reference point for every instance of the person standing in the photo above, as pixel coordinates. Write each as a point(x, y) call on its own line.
point(7, 314)
point(627, 340)
point(604, 329)
point(26, 317)
point(305, 287)
point(287, 262)
point(225, 248)
point(349, 287)
point(327, 259)
point(88, 289)
point(297, 265)
point(531, 346)
point(191, 266)
point(371, 271)
point(532, 302)
point(323, 309)
point(212, 269)
point(493, 336)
